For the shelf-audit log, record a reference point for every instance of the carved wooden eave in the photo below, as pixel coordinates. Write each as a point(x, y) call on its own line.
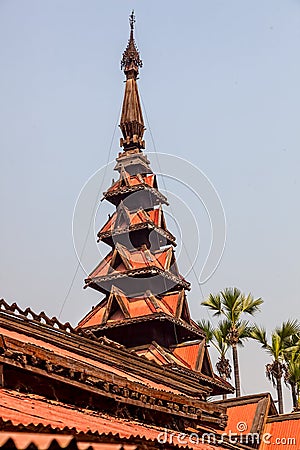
point(104, 284)
point(125, 222)
point(108, 236)
point(111, 352)
point(89, 366)
point(121, 193)
point(134, 161)
point(169, 359)
point(194, 333)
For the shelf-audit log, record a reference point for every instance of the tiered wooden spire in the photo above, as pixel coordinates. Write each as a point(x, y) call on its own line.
point(145, 306)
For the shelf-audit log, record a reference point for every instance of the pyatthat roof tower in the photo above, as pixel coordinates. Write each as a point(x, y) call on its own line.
point(145, 306)
point(147, 387)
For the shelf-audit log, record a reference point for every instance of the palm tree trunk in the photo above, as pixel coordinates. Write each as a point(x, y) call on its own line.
point(236, 371)
point(294, 395)
point(224, 396)
point(279, 395)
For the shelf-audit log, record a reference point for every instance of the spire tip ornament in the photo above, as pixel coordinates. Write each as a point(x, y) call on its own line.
point(131, 123)
point(131, 61)
point(132, 20)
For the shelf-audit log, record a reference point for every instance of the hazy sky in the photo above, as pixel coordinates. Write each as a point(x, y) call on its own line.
point(220, 85)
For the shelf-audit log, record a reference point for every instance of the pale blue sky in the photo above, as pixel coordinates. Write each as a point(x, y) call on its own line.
point(221, 87)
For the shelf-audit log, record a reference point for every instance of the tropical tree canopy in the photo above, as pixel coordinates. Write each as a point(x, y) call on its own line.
point(231, 303)
point(282, 348)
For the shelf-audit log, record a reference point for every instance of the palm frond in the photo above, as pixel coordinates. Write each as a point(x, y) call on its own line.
point(208, 329)
point(251, 305)
point(244, 331)
point(232, 303)
point(288, 329)
point(221, 341)
point(259, 334)
point(214, 303)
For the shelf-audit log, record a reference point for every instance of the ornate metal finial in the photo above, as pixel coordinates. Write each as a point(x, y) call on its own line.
point(131, 60)
point(132, 20)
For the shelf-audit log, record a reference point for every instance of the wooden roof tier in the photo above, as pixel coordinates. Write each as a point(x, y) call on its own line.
point(117, 306)
point(136, 271)
point(130, 223)
point(134, 162)
point(132, 185)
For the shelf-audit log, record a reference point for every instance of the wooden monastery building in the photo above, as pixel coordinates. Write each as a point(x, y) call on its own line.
point(136, 372)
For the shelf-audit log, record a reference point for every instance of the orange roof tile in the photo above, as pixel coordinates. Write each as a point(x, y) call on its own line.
point(156, 353)
point(140, 307)
point(154, 215)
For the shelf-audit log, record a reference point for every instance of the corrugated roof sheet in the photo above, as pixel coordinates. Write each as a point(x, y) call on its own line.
point(188, 353)
point(240, 414)
point(32, 410)
point(43, 441)
point(282, 432)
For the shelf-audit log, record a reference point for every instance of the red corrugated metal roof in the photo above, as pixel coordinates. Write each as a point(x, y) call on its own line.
point(240, 414)
point(161, 356)
point(136, 307)
point(43, 441)
point(132, 180)
point(283, 433)
point(132, 260)
point(28, 409)
point(134, 218)
point(95, 316)
point(171, 301)
point(188, 353)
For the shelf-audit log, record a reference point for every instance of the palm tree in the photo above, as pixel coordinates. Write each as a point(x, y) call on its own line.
point(278, 347)
point(217, 337)
point(232, 304)
point(292, 372)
